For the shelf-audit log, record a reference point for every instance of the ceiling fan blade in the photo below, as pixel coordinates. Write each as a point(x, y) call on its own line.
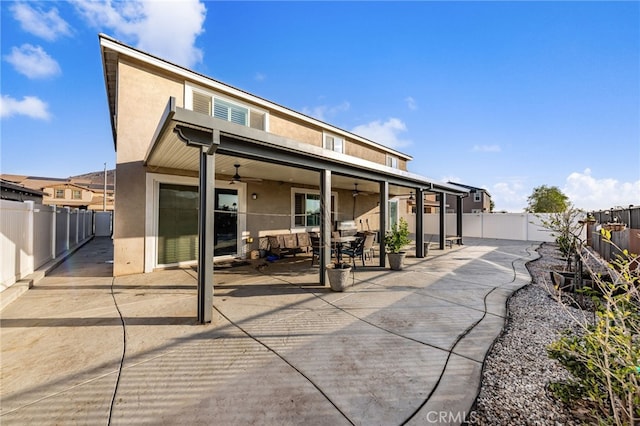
point(238, 178)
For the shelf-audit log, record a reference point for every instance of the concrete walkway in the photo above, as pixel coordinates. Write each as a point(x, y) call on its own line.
point(401, 347)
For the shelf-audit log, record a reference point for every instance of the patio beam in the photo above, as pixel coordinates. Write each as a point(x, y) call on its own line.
point(206, 191)
point(443, 219)
point(459, 218)
point(325, 224)
point(384, 220)
point(420, 223)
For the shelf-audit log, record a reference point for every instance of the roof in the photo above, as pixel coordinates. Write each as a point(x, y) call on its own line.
point(471, 188)
point(180, 130)
point(11, 186)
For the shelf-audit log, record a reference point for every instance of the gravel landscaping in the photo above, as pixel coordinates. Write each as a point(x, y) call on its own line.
point(517, 370)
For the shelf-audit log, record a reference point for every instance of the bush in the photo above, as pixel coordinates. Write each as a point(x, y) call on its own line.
point(605, 359)
point(398, 237)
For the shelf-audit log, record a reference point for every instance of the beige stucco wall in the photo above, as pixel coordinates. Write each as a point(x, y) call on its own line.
point(312, 135)
point(142, 98)
point(299, 131)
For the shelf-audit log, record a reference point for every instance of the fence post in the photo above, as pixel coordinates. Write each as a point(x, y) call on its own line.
point(67, 211)
point(53, 231)
point(29, 236)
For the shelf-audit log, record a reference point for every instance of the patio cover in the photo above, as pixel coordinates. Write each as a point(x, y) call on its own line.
point(188, 140)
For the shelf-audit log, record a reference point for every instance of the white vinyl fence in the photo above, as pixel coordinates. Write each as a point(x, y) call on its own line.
point(32, 235)
point(507, 226)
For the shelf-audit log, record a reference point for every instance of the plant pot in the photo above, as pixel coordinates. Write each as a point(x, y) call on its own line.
point(338, 277)
point(396, 260)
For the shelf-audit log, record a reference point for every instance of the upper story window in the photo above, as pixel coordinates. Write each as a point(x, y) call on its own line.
point(477, 196)
point(223, 108)
point(59, 193)
point(333, 143)
point(230, 112)
point(392, 161)
point(76, 194)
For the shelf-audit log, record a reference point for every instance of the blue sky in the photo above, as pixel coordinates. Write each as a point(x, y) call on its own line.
point(506, 96)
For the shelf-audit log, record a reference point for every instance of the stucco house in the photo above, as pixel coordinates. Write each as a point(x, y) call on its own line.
point(205, 170)
point(478, 201)
point(11, 191)
point(84, 191)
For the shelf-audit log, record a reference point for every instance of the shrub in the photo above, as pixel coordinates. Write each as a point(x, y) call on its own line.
point(604, 359)
point(398, 237)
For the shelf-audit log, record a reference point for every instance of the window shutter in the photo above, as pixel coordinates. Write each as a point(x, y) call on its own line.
point(337, 145)
point(238, 115)
point(328, 142)
point(220, 110)
point(201, 103)
point(229, 112)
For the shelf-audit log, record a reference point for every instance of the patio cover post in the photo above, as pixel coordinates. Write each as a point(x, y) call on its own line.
point(384, 220)
point(325, 223)
point(420, 223)
point(206, 191)
point(443, 220)
point(459, 217)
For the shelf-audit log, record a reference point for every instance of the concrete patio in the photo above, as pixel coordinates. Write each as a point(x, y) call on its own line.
point(399, 347)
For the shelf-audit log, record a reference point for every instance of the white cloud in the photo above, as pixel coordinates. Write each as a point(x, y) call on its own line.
point(509, 196)
point(167, 29)
point(325, 112)
point(486, 148)
point(260, 77)
point(32, 61)
point(29, 106)
point(588, 193)
point(47, 25)
point(411, 103)
point(387, 133)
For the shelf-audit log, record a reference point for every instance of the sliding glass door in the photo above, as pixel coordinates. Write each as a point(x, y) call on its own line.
point(177, 223)
point(225, 222)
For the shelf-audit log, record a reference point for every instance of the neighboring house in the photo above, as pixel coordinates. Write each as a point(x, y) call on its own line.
point(478, 201)
point(14, 192)
point(83, 192)
point(205, 169)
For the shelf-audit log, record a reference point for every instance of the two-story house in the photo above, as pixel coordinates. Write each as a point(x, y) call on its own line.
point(478, 201)
point(73, 192)
point(204, 169)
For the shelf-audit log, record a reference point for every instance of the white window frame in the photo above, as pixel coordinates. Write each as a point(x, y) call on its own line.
point(332, 146)
point(477, 196)
point(392, 161)
point(188, 103)
point(305, 191)
point(153, 182)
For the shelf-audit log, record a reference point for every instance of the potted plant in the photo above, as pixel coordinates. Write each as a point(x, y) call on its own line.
point(338, 274)
point(394, 241)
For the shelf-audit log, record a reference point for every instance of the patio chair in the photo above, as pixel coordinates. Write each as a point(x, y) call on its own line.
point(358, 249)
point(316, 247)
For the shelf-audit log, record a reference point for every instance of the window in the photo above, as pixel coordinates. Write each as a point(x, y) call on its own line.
point(177, 223)
point(334, 143)
point(477, 196)
point(59, 193)
point(76, 194)
point(209, 103)
point(306, 208)
point(230, 112)
point(392, 161)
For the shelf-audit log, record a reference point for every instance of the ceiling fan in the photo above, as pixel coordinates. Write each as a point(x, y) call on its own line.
point(237, 178)
point(357, 192)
